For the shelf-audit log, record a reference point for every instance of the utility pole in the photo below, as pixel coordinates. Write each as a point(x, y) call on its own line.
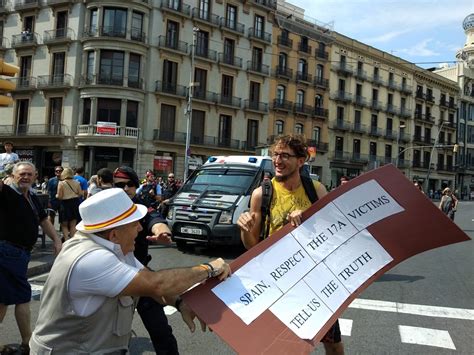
point(189, 108)
point(398, 142)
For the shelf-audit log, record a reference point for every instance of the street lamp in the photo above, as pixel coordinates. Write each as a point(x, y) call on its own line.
point(398, 142)
point(431, 155)
point(189, 107)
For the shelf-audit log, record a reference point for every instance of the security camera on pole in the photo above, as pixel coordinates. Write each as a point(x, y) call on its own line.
point(189, 107)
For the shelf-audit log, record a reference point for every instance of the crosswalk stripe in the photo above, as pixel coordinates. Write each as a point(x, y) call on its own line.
point(426, 336)
point(415, 309)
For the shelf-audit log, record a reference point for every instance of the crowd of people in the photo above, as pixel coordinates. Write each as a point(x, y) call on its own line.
point(101, 272)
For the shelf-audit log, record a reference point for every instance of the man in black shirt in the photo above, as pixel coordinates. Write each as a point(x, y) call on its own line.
point(20, 215)
point(150, 311)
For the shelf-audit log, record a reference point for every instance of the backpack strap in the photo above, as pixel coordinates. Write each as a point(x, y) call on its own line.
point(267, 192)
point(309, 188)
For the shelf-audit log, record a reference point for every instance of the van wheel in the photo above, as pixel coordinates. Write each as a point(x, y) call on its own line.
point(181, 244)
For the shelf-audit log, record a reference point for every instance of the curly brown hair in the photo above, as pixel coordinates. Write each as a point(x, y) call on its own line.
point(296, 142)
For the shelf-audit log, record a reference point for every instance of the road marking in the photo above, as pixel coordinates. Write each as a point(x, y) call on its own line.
point(416, 309)
point(346, 326)
point(426, 336)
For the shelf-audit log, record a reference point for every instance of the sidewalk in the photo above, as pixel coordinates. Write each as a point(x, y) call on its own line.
point(41, 258)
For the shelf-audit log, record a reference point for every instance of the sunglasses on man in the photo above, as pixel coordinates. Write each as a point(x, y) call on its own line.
point(122, 184)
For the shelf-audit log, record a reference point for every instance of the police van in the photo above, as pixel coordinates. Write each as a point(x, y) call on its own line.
point(206, 208)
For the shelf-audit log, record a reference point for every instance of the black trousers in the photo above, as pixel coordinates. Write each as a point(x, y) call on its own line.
point(155, 321)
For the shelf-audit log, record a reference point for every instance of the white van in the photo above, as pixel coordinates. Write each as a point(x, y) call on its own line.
point(206, 208)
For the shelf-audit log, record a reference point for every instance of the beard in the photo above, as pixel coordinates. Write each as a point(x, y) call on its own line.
point(281, 178)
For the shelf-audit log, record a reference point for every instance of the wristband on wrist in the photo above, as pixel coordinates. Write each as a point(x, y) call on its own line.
point(177, 303)
point(212, 272)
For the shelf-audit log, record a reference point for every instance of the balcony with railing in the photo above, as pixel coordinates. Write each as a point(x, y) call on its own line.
point(54, 82)
point(25, 40)
point(282, 105)
point(231, 101)
point(403, 138)
point(420, 95)
point(443, 102)
point(376, 105)
point(303, 77)
point(202, 52)
point(342, 96)
point(321, 54)
point(4, 44)
point(283, 72)
point(205, 17)
point(232, 26)
point(259, 35)
point(375, 131)
point(320, 146)
point(172, 44)
point(112, 32)
point(406, 89)
point(341, 125)
point(405, 112)
point(26, 5)
point(207, 141)
point(24, 83)
point(205, 96)
point(176, 7)
point(33, 130)
point(59, 2)
point(343, 68)
point(450, 124)
point(170, 89)
point(320, 112)
point(321, 82)
point(302, 109)
point(339, 155)
point(258, 68)
point(357, 157)
point(284, 41)
point(377, 80)
point(392, 85)
point(452, 105)
point(390, 134)
point(392, 109)
point(231, 61)
point(361, 75)
point(59, 36)
point(403, 163)
point(418, 139)
point(266, 4)
point(255, 106)
point(122, 134)
point(359, 128)
point(304, 48)
point(429, 141)
point(360, 100)
point(430, 97)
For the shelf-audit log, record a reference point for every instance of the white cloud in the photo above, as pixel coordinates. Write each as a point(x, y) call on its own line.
point(386, 37)
point(420, 49)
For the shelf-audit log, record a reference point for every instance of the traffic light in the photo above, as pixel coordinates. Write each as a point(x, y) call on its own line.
point(7, 85)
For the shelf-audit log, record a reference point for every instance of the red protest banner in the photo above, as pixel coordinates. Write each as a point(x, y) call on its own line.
point(349, 238)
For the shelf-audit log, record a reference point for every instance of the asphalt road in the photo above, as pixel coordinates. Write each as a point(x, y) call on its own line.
point(390, 317)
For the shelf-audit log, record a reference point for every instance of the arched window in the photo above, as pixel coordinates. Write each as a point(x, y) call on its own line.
point(318, 101)
point(298, 128)
point(281, 94)
point(316, 134)
point(279, 127)
point(300, 97)
point(282, 61)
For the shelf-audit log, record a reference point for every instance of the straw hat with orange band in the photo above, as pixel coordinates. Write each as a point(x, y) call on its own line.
point(108, 209)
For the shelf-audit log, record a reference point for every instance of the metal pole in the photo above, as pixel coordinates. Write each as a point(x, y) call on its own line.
point(189, 108)
point(398, 143)
point(136, 152)
point(431, 157)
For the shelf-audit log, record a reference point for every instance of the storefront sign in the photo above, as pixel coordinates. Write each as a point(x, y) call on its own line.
point(288, 290)
point(163, 164)
point(107, 128)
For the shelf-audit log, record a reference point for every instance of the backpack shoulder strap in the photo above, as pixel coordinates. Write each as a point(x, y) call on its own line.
point(267, 192)
point(309, 188)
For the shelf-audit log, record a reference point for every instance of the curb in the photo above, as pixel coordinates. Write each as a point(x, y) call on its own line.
point(39, 269)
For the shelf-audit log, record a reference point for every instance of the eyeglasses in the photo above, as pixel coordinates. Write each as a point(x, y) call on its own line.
point(58, 171)
point(122, 184)
point(283, 156)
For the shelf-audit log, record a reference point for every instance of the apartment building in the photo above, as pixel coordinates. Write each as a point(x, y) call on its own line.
point(299, 84)
point(375, 117)
point(104, 83)
point(463, 73)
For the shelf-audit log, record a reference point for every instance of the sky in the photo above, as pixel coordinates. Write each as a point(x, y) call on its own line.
point(425, 32)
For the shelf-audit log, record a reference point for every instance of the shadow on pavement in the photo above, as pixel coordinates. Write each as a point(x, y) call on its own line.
point(399, 278)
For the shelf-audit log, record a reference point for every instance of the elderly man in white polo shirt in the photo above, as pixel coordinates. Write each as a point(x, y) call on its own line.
point(89, 298)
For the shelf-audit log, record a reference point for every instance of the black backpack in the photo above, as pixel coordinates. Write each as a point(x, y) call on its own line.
point(267, 192)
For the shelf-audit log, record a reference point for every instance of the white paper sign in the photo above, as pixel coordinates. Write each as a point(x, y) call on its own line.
point(248, 292)
point(366, 204)
point(302, 311)
point(323, 232)
point(357, 260)
point(285, 262)
point(327, 287)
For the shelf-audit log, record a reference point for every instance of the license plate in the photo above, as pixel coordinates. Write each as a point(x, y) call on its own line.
point(188, 230)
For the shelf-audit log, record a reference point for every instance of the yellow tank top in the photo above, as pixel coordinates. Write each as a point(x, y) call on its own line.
point(284, 202)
